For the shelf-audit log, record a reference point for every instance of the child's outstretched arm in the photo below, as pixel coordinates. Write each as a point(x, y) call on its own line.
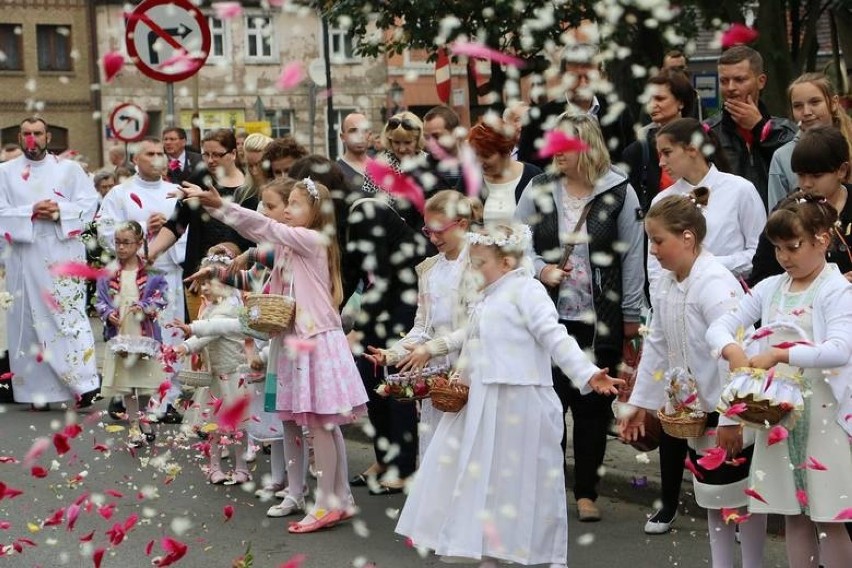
point(216, 327)
point(722, 333)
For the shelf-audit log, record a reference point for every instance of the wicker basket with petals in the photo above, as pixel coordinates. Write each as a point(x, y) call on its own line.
point(270, 313)
point(450, 395)
point(683, 425)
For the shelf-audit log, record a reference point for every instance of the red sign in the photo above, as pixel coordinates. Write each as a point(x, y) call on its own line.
point(442, 76)
point(128, 122)
point(168, 40)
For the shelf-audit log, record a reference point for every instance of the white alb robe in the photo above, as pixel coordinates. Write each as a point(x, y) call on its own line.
point(51, 348)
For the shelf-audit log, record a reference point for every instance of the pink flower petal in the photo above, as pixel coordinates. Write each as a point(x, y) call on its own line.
point(295, 561)
point(761, 333)
point(60, 442)
point(291, 75)
point(776, 434)
point(733, 516)
point(738, 34)
point(713, 458)
point(395, 183)
point(136, 200)
point(802, 497)
point(557, 142)
point(39, 446)
point(113, 61)
point(480, 51)
point(844, 515)
point(227, 10)
point(98, 556)
point(230, 418)
point(814, 464)
point(736, 409)
point(691, 467)
point(754, 495)
point(38, 472)
point(228, 511)
point(77, 270)
point(300, 345)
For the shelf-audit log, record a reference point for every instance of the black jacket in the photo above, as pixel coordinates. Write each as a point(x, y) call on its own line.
point(620, 130)
point(752, 163)
point(643, 168)
point(191, 170)
point(380, 256)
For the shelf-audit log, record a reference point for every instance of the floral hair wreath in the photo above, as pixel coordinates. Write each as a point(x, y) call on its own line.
point(519, 240)
point(216, 259)
point(311, 187)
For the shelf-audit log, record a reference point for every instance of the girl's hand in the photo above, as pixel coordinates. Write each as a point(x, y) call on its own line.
point(735, 356)
point(239, 263)
point(184, 328)
point(257, 364)
point(205, 272)
point(552, 276)
point(376, 356)
point(113, 319)
point(730, 439)
point(602, 383)
point(631, 423)
point(768, 358)
point(207, 198)
point(416, 359)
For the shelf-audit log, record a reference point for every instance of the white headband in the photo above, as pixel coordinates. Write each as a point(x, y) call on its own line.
point(311, 187)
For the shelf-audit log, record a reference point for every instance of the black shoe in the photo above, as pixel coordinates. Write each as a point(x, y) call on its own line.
point(359, 480)
point(88, 398)
point(171, 416)
point(385, 490)
point(39, 407)
point(150, 436)
point(116, 408)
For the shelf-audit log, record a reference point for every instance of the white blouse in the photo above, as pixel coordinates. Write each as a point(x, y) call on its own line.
point(735, 218)
point(500, 204)
point(682, 313)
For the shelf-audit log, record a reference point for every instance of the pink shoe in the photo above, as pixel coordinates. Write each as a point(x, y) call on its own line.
point(216, 476)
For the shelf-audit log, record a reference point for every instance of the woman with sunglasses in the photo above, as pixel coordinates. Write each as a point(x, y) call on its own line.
point(588, 251)
point(403, 142)
point(443, 297)
point(219, 152)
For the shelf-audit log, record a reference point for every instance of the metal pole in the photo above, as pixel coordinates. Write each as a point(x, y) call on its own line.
point(332, 135)
point(170, 104)
point(312, 112)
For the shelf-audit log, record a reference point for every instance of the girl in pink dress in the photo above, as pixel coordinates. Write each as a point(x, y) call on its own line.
point(318, 383)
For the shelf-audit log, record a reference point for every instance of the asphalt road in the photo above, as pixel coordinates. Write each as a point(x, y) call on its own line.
point(192, 512)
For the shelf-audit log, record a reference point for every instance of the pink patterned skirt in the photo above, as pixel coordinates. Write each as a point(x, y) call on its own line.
point(322, 386)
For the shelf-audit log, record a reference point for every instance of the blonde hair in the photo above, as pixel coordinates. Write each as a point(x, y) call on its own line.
point(839, 118)
point(594, 162)
point(455, 206)
point(255, 142)
point(405, 118)
point(322, 220)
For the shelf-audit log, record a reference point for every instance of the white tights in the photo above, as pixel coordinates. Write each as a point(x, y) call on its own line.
point(804, 549)
point(723, 538)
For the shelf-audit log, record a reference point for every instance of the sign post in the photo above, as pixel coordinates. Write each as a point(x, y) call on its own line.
point(128, 122)
point(168, 41)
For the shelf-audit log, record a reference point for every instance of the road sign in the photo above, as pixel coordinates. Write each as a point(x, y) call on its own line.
point(128, 122)
point(443, 83)
point(168, 40)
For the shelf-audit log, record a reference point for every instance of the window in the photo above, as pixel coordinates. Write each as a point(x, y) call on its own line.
point(341, 45)
point(260, 39)
point(218, 39)
point(281, 122)
point(339, 115)
point(11, 58)
point(54, 48)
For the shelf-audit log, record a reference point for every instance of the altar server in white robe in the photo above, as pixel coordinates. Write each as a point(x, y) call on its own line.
point(45, 203)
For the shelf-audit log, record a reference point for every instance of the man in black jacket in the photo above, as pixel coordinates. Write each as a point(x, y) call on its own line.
point(183, 165)
point(578, 64)
point(748, 133)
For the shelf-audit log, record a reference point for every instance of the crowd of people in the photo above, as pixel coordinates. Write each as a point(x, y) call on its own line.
point(523, 266)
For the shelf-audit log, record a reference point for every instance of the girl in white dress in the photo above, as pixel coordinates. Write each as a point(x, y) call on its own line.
point(129, 302)
point(808, 476)
point(694, 291)
point(442, 300)
point(491, 486)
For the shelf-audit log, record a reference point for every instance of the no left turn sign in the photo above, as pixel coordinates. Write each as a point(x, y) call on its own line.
point(128, 122)
point(168, 40)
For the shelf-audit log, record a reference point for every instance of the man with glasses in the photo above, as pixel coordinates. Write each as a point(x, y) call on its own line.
point(439, 125)
point(45, 203)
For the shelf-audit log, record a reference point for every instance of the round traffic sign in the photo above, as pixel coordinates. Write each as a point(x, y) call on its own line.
point(128, 122)
point(168, 40)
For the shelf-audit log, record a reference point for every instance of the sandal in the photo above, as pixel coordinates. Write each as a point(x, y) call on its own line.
point(216, 476)
point(270, 490)
point(289, 506)
point(238, 477)
point(325, 520)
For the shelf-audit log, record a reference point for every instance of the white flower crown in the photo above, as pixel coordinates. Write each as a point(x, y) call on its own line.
point(311, 187)
point(216, 259)
point(519, 240)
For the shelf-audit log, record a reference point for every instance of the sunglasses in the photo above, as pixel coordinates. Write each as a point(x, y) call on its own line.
point(405, 123)
point(439, 231)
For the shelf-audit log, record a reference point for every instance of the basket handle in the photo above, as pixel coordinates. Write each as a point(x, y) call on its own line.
point(770, 328)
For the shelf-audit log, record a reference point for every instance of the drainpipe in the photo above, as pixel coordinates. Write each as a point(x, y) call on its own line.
point(94, 76)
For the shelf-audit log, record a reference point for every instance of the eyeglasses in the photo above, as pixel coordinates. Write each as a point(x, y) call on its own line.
point(216, 155)
point(439, 231)
point(405, 123)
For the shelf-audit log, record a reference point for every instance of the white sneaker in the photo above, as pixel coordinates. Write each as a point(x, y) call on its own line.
point(657, 526)
point(289, 506)
point(285, 492)
point(251, 453)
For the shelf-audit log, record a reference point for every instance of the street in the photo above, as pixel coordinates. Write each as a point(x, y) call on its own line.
point(193, 512)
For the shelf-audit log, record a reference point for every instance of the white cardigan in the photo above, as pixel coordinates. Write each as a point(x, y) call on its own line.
point(735, 218)
point(832, 328)
point(710, 292)
point(514, 333)
point(217, 332)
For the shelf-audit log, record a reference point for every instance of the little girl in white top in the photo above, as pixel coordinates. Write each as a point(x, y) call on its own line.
point(497, 454)
point(807, 477)
point(442, 300)
point(693, 291)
